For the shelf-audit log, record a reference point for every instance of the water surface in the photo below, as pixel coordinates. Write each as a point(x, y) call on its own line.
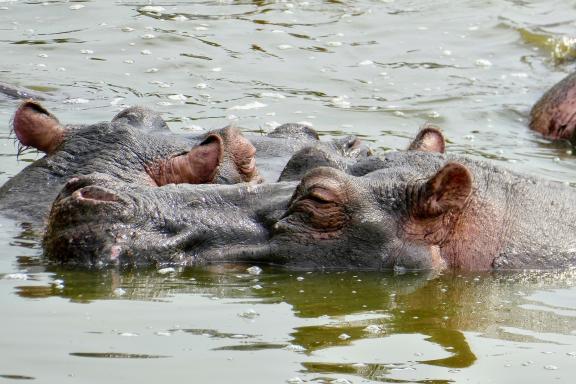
point(378, 69)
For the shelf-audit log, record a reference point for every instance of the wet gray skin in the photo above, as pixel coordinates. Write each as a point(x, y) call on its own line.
point(554, 115)
point(427, 211)
point(136, 146)
point(99, 220)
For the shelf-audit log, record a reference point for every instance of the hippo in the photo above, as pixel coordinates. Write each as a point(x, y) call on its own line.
point(554, 115)
point(423, 210)
point(136, 146)
point(100, 220)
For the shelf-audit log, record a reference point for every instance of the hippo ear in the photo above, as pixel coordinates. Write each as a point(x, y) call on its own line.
point(429, 139)
point(239, 162)
point(35, 127)
point(448, 190)
point(198, 166)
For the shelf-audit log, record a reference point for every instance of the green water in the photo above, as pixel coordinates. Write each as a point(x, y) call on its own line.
point(378, 69)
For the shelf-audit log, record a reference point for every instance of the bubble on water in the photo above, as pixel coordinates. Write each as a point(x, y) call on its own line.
point(16, 276)
point(42, 55)
point(334, 44)
point(399, 113)
point(76, 101)
point(344, 336)
point(179, 18)
point(216, 69)
point(284, 46)
point(164, 271)
point(340, 102)
point(300, 278)
point(86, 51)
point(254, 270)
point(164, 103)
point(129, 61)
point(119, 292)
point(161, 84)
point(151, 70)
point(365, 63)
point(200, 29)
point(295, 348)
point(61, 69)
point(249, 314)
point(152, 9)
point(253, 105)
point(129, 334)
point(127, 29)
point(76, 7)
point(148, 36)
point(373, 328)
point(294, 380)
point(556, 159)
point(145, 52)
point(341, 381)
point(257, 286)
point(550, 367)
point(483, 63)
point(272, 95)
point(178, 97)
point(447, 52)
point(163, 333)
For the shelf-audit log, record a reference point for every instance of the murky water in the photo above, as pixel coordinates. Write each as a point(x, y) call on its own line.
point(378, 69)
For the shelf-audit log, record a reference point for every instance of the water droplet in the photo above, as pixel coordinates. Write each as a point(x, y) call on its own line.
point(483, 63)
point(254, 270)
point(344, 336)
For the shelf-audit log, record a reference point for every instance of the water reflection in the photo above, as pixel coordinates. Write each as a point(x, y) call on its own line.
point(347, 308)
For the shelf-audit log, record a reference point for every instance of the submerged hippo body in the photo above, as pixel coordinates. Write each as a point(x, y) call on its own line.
point(554, 115)
point(136, 146)
point(428, 211)
point(419, 211)
point(100, 220)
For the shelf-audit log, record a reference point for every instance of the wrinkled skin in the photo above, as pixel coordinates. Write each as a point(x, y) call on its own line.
point(427, 211)
point(137, 147)
point(429, 139)
point(99, 220)
point(554, 115)
point(423, 211)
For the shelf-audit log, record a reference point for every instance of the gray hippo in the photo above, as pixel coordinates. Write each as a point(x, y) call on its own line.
point(421, 211)
point(136, 146)
point(554, 115)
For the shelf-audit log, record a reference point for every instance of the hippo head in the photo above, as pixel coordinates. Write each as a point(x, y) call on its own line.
point(98, 220)
point(554, 115)
point(396, 217)
point(135, 146)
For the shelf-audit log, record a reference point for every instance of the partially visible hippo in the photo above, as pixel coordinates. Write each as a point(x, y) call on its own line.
point(136, 146)
point(424, 211)
point(427, 210)
point(429, 139)
point(99, 220)
point(554, 115)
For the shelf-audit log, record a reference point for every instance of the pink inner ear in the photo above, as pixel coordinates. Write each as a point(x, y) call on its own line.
point(34, 126)
point(198, 166)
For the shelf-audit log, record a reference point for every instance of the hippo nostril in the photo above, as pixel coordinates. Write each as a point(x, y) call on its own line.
point(94, 195)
